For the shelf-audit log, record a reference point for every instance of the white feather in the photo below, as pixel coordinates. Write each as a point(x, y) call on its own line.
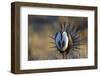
point(57, 39)
point(64, 38)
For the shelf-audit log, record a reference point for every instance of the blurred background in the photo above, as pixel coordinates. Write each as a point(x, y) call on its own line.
point(42, 28)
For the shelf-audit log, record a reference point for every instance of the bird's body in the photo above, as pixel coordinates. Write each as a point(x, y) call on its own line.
point(61, 40)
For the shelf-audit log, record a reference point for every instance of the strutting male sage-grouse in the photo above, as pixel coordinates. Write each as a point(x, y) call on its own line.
point(67, 39)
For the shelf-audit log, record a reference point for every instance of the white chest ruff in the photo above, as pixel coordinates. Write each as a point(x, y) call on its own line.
point(61, 40)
